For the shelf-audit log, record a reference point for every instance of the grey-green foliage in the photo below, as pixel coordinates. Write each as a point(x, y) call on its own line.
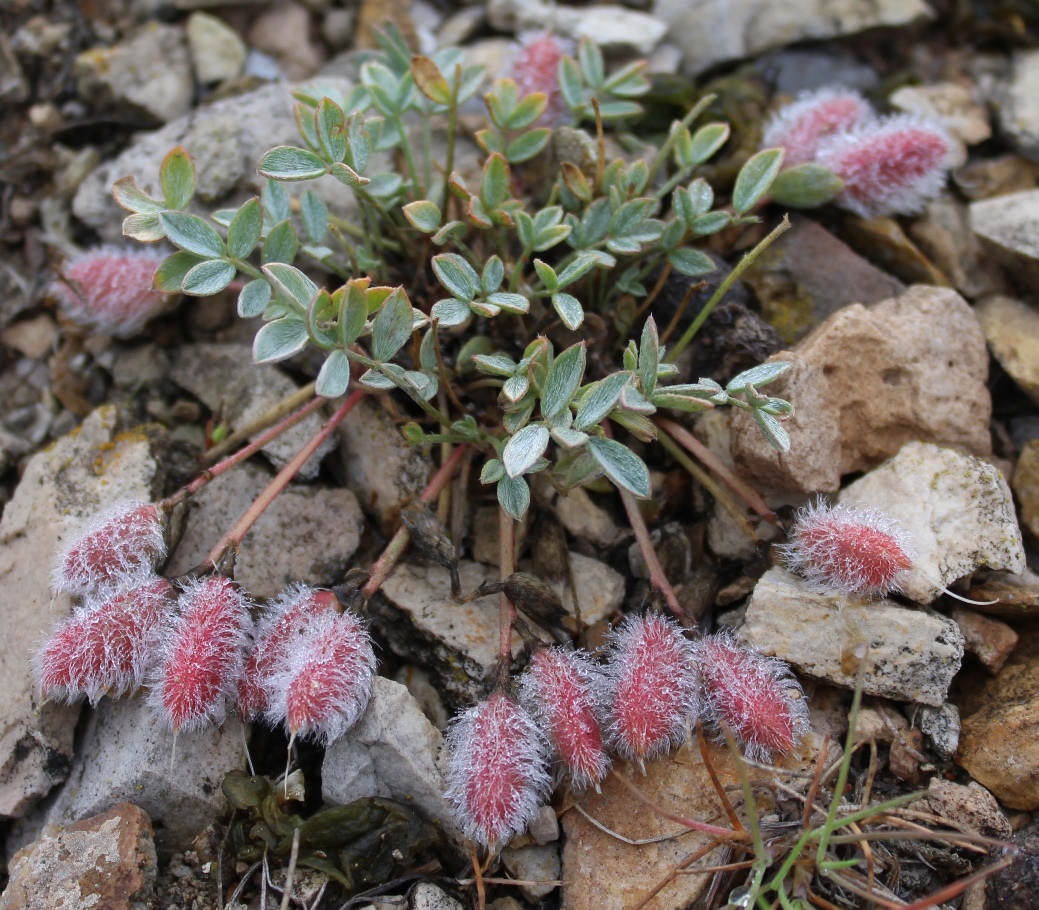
point(493, 254)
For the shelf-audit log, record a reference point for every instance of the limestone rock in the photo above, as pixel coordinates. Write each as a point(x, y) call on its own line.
point(1015, 103)
point(1016, 595)
point(990, 640)
point(912, 654)
point(611, 27)
point(107, 861)
point(381, 469)
point(307, 534)
point(867, 381)
point(391, 752)
point(585, 519)
point(998, 745)
point(952, 107)
point(284, 32)
point(1012, 331)
point(1026, 487)
point(1009, 229)
point(217, 50)
point(148, 74)
point(971, 805)
point(81, 475)
point(227, 381)
point(717, 31)
point(957, 509)
point(427, 896)
point(125, 754)
point(534, 863)
point(942, 727)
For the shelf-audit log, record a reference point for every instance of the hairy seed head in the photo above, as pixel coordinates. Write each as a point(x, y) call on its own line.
point(801, 126)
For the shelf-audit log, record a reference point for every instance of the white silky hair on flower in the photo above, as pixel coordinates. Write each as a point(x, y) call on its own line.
point(802, 125)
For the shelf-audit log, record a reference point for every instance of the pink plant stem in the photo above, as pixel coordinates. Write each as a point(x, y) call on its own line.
point(382, 567)
point(244, 453)
point(507, 563)
point(698, 450)
point(234, 537)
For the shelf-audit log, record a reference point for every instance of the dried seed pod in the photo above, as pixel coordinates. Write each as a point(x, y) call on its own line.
point(430, 536)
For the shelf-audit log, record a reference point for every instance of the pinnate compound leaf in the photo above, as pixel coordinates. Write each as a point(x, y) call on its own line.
point(620, 465)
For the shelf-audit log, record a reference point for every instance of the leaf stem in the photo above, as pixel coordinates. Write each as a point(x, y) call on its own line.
point(507, 565)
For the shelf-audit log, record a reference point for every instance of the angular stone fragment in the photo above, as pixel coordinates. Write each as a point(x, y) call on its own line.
point(912, 654)
point(217, 50)
point(612, 27)
point(957, 509)
point(1009, 229)
point(989, 640)
point(971, 805)
point(867, 381)
point(1015, 103)
point(942, 727)
point(1012, 331)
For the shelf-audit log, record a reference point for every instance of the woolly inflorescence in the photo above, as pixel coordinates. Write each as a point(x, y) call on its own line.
point(849, 549)
point(497, 775)
point(803, 125)
point(201, 659)
point(282, 622)
point(889, 168)
point(112, 549)
point(325, 681)
point(561, 690)
point(756, 697)
point(536, 69)
point(110, 289)
point(107, 646)
point(652, 687)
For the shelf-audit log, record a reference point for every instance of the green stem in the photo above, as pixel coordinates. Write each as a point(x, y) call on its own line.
point(452, 129)
point(665, 152)
point(417, 190)
point(745, 263)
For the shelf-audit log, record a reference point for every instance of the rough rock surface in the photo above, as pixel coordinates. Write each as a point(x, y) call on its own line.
point(869, 380)
point(427, 896)
point(217, 50)
point(1012, 331)
point(1016, 596)
point(125, 755)
point(1015, 103)
point(614, 28)
point(307, 534)
point(913, 655)
point(82, 474)
point(534, 863)
point(989, 640)
point(957, 509)
point(105, 862)
point(1009, 229)
point(952, 107)
point(1026, 487)
point(716, 31)
point(381, 469)
point(391, 752)
point(998, 745)
point(227, 381)
point(970, 805)
point(942, 727)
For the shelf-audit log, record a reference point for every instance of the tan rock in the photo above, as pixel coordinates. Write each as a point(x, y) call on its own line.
point(1009, 227)
point(1026, 487)
point(107, 861)
point(1016, 596)
point(284, 32)
point(970, 805)
point(998, 745)
point(867, 381)
point(32, 338)
point(949, 105)
point(990, 640)
point(1012, 331)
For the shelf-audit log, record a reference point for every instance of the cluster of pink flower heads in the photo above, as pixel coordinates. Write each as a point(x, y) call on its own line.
point(535, 68)
point(889, 165)
point(654, 687)
point(110, 289)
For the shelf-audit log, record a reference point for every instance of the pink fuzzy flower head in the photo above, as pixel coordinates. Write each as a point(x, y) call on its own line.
point(202, 655)
point(652, 685)
point(326, 679)
point(497, 776)
point(801, 126)
point(284, 620)
point(891, 167)
point(110, 289)
point(121, 543)
point(850, 549)
point(560, 689)
point(105, 647)
point(536, 69)
point(756, 697)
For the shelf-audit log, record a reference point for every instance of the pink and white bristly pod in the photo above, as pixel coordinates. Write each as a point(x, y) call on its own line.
point(110, 289)
point(652, 687)
point(125, 541)
point(201, 658)
point(497, 773)
point(325, 681)
point(561, 689)
point(857, 550)
point(755, 697)
point(890, 167)
point(535, 68)
point(281, 623)
point(803, 125)
point(107, 646)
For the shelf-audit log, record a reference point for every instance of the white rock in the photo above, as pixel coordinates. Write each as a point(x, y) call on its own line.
point(942, 727)
point(125, 756)
point(391, 752)
point(611, 27)
point(1009, 227)
point(716, 31)
point(912, 654)
point(427, 896)
point(585, 519)
point(381, 469)
point(534, 863)
point(283, 31)
point(227, 381)
point(81, 475)
point(1011, 328)
point(421, 687)
point(1015, 103)
point(545, 827)
point(958, 509)
point(307, 534)
point(217, 50)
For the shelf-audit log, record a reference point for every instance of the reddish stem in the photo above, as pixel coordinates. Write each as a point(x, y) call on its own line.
point(242, 454)
point(234, 537)
point(507, 565)
point(382, 567)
